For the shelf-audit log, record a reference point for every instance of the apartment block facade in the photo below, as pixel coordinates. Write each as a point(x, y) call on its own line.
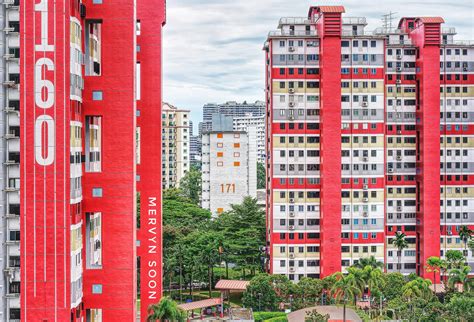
point(229, 169)
point(243, 123)
point(176, 144)
point(368, 133)
point(90, 81)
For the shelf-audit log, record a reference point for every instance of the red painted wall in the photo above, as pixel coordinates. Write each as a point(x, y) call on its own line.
point(45, 219)
point(117, 178)
point(152, 17)
point(427, 38)
point(330, 100)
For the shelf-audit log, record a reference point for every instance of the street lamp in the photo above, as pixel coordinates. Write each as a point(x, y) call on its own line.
point(259, 300)
point(291, 302)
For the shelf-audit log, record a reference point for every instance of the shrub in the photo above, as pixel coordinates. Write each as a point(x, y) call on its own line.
point(265, 316)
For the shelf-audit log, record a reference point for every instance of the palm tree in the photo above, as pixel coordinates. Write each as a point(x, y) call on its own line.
point(368, 261)
point(470, 244)
point(465, 234)
point(374, 281)
point(434, 265)
point(461, 276)
point(400, 243)
point(417, 288)
point(165, 310)
point(344, 288)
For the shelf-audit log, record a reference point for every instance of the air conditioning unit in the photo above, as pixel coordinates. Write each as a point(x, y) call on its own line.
point(291, 48)
point(292, 269)
point(365, 186)
point(291, 104)
point(291, 117)
point(365, 199)
point(365, 104)
point(464, 69)
point(292, 200)
point(399, 158)
point(365, 214)
point(390, 170)
point(291, 90)
point(399, 69)
point(291, 227)
point(399, 208)
point(292, 214)
point(399, 57)
point(365, 159)
point(291, 255)
point(399, 132)
point(450, 233)
point(398, 81)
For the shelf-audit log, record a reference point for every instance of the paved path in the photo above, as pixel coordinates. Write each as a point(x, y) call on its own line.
point(335, 313)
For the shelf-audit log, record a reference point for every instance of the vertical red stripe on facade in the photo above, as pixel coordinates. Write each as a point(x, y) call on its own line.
point(427, 38)
point(151, 15)
point(329, 29)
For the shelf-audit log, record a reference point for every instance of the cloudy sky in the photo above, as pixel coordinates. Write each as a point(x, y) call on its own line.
point(213, 48)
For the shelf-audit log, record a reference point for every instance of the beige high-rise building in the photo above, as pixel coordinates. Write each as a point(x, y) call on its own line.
point(175, 144)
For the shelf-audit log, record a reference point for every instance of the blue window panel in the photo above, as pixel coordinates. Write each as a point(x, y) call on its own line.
point(97, 192)
point(97, 95)
point(96, 288)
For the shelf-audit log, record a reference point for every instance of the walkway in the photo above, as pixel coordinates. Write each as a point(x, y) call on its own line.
point(335, 313)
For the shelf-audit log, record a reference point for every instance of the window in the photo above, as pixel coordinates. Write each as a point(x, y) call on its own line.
point(93, 143)
point(93, 315)
point(97, 192)
point(93, 240)
point(93, 52)
point(236, 164)
point(237, 145)
point(97, 96)
point(96, 288)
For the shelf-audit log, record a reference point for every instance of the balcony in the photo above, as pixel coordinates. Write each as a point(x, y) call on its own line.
point(354, 21)
point(281, 33)
point(294, 21)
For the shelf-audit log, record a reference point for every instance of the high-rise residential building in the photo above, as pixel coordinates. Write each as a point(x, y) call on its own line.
point(229, 169)
point(194, 150)
point(230, 109)
point(90, 81)
point(243, 123)
point(10, 159)
point(358, 125)
point(176, 145)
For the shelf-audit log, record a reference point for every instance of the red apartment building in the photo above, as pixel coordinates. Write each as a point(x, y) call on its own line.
point(368, 133)
point(90, 100)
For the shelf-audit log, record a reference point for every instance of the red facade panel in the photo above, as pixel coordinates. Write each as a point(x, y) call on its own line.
point(330, 100)
point(45, 219)
point(151, 15)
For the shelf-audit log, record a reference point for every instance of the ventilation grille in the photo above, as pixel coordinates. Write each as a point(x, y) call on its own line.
point(432, 34)
point(332, 24)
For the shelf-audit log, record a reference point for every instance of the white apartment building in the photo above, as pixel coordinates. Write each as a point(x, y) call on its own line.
point(258, 122)
point(175, 145)
point(10, 160)
point(229, 168)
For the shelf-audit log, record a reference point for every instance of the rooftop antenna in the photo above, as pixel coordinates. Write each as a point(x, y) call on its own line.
point(387, 21)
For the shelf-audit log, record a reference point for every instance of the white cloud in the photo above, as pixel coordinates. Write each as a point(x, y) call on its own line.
point(213, 48)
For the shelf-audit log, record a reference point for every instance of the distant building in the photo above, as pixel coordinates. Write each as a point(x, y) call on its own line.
point(175, 145)
point(229, 168)
point(195, 149)
point(232, 109)
point(243, 123)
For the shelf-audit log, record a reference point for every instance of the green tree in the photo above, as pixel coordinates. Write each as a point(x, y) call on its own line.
point(190, 185)
point(368, 261)
point(394, 283)
point(243, 228)
point(465, 234)
point(434, 265)
point(418, 288)
point(374, 280)
point(454, 258)
point(261, 176)
point(470, 244)
point(165, 310)
point(308, 292)
point(461, 276)
point(260, 294)
point(400, 243)
point(461, 308)
point(344, 288)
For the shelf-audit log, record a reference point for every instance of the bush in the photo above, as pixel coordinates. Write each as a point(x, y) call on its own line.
point(266, 316)
point(277, 319)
